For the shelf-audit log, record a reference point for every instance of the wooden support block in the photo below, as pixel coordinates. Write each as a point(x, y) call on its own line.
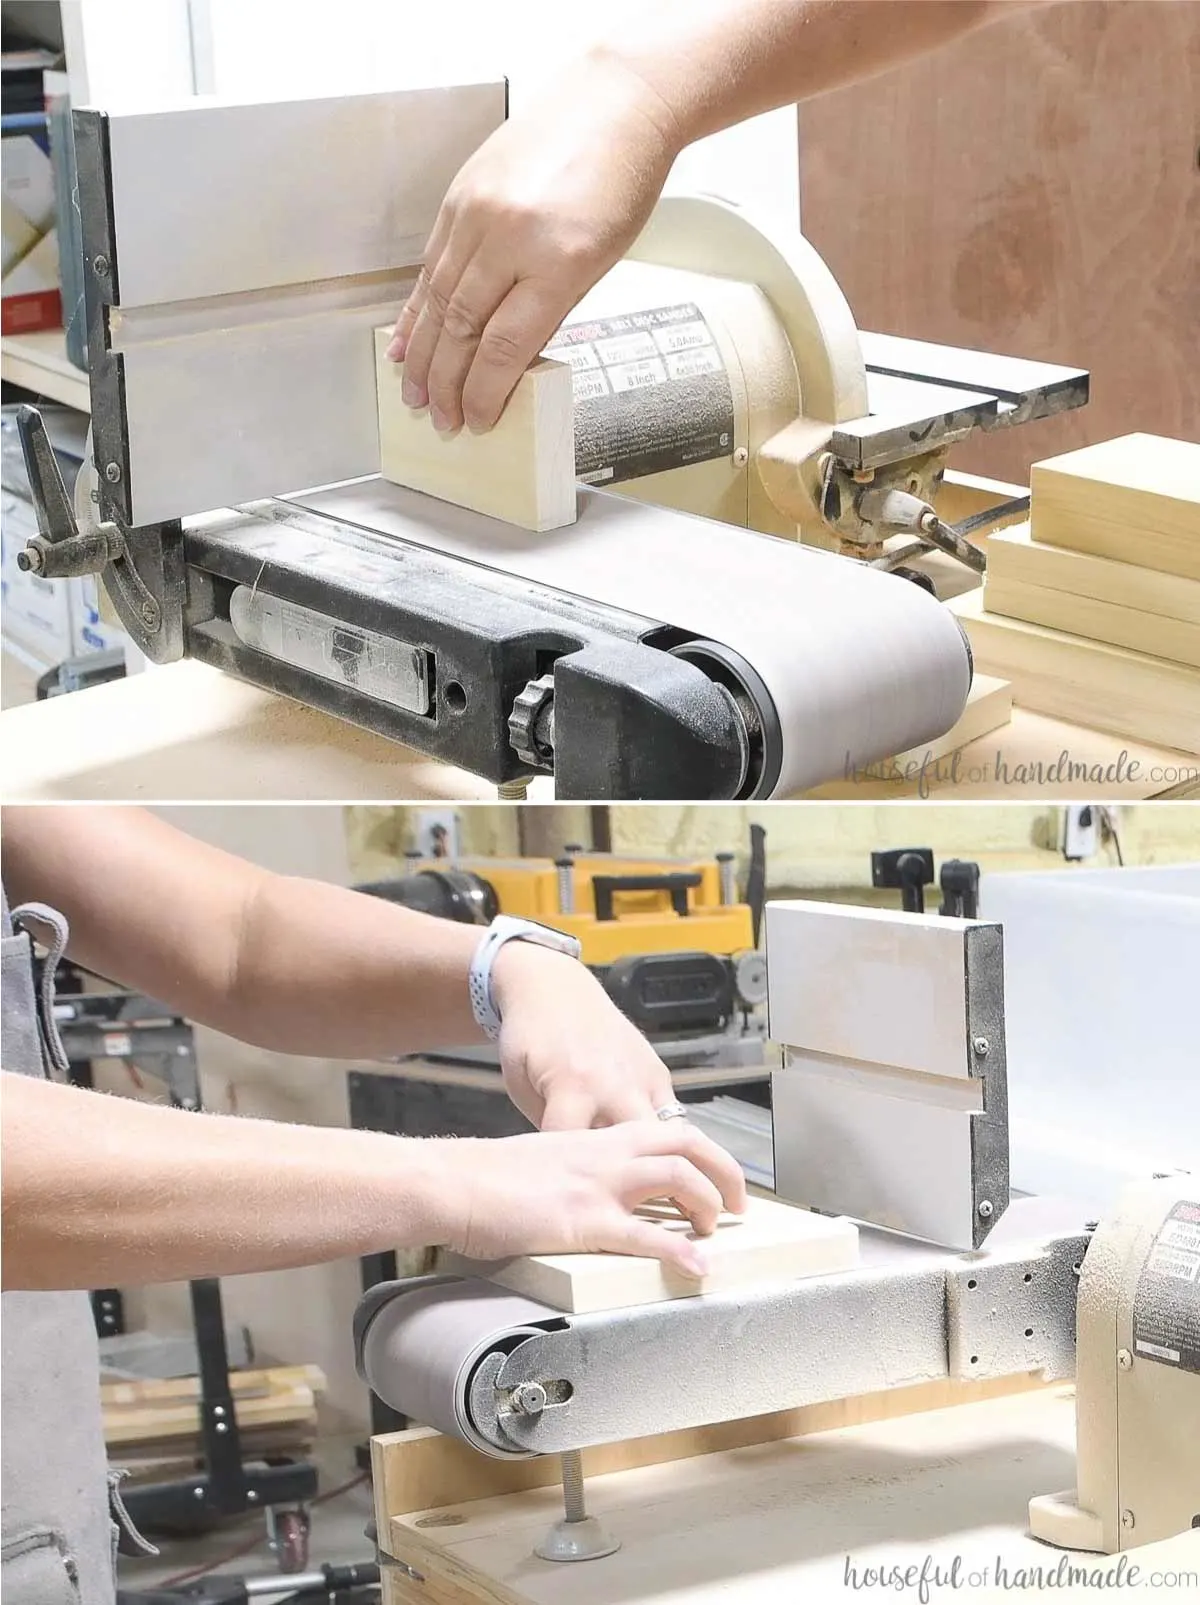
point(772, 1242)
point(1088, 682)
point(242, 1384)
point(418, 1469)
point(150, 1423)
point(1135, 499)
point(989, 707)
point(169, 1410)
point(522, 471)
point(1095, 620)
point(1013, 555)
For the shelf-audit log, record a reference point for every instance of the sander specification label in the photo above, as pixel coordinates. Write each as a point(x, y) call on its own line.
point(1166, 1305)
point(651, 393)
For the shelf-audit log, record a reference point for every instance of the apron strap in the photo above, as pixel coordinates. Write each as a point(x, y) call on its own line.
point(42, 914)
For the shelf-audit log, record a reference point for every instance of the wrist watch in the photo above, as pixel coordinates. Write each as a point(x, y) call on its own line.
point(507, 928)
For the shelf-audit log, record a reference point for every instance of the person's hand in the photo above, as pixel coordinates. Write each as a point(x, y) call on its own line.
point(576, 1192)
point(540, 212)
point(570, 1058)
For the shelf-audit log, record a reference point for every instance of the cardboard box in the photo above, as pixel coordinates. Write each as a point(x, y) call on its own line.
point(37, 612)
point(91, 631)
point(30, 282)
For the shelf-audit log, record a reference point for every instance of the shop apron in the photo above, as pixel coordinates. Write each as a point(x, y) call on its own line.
point(59, 1535)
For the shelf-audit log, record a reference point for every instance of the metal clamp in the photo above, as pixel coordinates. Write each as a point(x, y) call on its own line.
point(62, 549)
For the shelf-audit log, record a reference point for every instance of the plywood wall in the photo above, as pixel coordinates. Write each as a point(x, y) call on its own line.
point(1034, 190)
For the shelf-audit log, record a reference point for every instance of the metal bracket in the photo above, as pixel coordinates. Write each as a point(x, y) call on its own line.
point(145, 576)
point(1009, 1312)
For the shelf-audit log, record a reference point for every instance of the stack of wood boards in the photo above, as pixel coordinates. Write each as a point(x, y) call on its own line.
point(152, 1428)
point(988, 708)
point(1092, 610)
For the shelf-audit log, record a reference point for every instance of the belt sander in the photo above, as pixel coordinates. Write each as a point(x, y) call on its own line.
point(897, 1118)
point(237, 261)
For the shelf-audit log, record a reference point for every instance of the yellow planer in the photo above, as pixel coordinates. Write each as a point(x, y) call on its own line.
point(670, 939)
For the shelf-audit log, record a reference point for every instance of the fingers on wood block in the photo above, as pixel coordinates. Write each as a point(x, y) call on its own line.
point(772, 1242)
point(522, 471)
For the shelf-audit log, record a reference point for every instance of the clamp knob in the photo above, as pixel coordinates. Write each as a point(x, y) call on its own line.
point(531, 724)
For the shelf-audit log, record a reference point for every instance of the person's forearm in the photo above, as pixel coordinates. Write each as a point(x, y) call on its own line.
point(293, 965)
point(101, 1191)
point(321, 970)
point(712, 63)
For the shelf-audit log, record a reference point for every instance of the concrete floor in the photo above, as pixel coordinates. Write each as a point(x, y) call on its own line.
point(337, 1535)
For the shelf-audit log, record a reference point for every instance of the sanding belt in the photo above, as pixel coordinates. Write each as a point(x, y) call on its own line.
point(418, 1348)
point(860, 664)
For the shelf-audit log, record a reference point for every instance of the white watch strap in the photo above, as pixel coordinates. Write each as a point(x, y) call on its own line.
point(507, 928)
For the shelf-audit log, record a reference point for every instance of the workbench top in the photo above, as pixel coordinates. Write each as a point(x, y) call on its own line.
point(805, 1519)
point(39, 363)
point(187, 732)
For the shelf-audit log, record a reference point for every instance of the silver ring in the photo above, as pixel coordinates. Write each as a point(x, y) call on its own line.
point(672, 1111)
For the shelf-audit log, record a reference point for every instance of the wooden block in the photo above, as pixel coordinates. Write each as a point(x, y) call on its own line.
point(1135, 499)
point(522, 471)
point(989, 707)
point(419, 1468)
point(1104, 687)
point(177, 1416)
point(1014, 555)
point(149, 1460)
point(772, 1242)
point(242, 1384)
point(1095, 620)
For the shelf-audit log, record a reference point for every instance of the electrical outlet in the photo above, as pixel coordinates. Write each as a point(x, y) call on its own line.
point(1081, 831)
point(436, 832)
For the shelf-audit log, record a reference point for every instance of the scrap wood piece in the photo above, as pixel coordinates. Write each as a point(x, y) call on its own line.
point(522, 471)
point(772, 1242)
point(1135, 499)
point(1090, 683)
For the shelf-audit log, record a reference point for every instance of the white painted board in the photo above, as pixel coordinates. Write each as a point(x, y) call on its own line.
point(886, 1148)
point(772, 1242)
point(1104, 1040)
point(211, 199)
point(257, 248)
point(868, 984)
